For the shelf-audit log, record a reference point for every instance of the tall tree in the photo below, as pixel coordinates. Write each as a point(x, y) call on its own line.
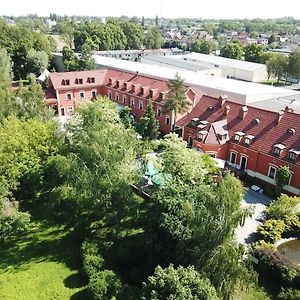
point(253, 53)
point(294, 63)
point(276, 65)
point(153, 38)
point(66, 30)
point(5, 66)
point(177, 100)
point(232, 50)
point(206, 47)
point(134, 34)
point(36, 62)
point(149, 126)
point(86, 61)
point(70, 60)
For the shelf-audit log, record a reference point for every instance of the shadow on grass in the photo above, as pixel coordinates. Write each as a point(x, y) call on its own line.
point(75, 281)
point(43, 242)
point(81, 295)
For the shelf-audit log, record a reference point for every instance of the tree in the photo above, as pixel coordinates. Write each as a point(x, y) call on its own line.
point(206, 47)
point(271, 39)
point(86, 61)
point(276, 65)
point(232, 50)
point(153, 38)
point(294, 63)
point(36, 61)
point(126, 117)
point(253, 53)
point(177, 100)
point(149, 126)
point(282, 178)
point(134, 34)
point(66, 30)
point(70, 60)
point(180, 283)
point(5, 66)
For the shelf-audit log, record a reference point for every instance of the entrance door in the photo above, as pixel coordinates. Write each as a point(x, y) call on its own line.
point(243, 162)
point(62, 111)
point(190, 141)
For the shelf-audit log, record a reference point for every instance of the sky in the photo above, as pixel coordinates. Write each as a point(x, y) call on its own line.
point(214, 9)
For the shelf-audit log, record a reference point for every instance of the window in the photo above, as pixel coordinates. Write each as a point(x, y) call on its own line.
point(167, 120)
point(236, 137)
point(81, 94)
point(233, 157)
point(92, 79)
point(247, 141)
point(277, 151)
point(109, 95)
point(117, 97)
point(94, 94)
point(80, 81)
point(272, 172)
point(141, 105)
point(70, 109)
point(131, 102)
point(124, 99)
point(69, 96)
point(292, 156)
point(62, 111)
point(67, 82)
point(159, 112)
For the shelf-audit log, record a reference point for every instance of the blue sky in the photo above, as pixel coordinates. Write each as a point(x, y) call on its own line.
point(225, 9)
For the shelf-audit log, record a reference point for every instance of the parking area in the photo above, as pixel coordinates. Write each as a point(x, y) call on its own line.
point(246, 234)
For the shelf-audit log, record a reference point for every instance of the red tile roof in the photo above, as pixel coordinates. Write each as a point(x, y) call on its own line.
point(266, 131)
point(58, 79)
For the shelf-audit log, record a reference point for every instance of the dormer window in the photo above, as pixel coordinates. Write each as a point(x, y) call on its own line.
point(202, 135)
point(194, 121)
point(248, 139)
point(238, 135)
point(278, 148)
point(79, 81)
point(67, 82)
point(92, 79)
point(293, 154)
point(222, 137)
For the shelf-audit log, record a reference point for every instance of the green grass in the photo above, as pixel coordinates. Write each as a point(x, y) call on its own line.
point(43, 264)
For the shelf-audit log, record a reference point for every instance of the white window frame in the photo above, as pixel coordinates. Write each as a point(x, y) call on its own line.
point(94, 91)
point(277, 151)
point(230, 158)
point(62, 109)
point(292, 156)
point(241, 161)
point(71, 96)
point(70, 109)
point(159, 112)
point(117, 97)
point(237, 137)
point(131, 102)
point(247, 141)
point(269, 172)
point(141, 105)
point(167, 120)
point(81, 92)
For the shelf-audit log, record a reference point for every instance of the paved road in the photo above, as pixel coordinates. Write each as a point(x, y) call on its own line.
point(247, 234)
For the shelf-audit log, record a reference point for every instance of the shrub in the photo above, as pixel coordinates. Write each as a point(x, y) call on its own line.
point(271, 230)
point(289, 294)
point(292, 224)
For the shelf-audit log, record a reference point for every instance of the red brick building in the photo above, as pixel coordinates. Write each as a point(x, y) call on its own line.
point(249, 139)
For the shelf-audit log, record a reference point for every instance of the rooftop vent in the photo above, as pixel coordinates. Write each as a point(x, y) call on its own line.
point(256, 121)
point(291, 131)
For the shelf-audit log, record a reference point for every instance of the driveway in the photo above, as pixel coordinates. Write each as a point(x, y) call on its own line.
point(247, 233)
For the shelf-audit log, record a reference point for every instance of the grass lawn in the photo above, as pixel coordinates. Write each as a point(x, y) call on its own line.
point(43, 264)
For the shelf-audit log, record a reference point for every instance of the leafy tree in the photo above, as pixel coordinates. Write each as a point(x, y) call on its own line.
point(271, 39)
point(86, 61)
point(232, 50)
point(126, 117)
point(134, 34)
point(180, 283)
point(5, 66)
point(206, 47)
point(149, 126)
point(153, 38)
point(253, 53)
point(66, 30)
point(276, 65)
point(36, 61)
point(70, 60)
point(177, 100)
point(294, 63)
point(282, 178)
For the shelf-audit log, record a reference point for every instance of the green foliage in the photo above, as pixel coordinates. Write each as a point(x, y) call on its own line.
point(86, 61)
point(289, 294)
point(294, 63)
point(134, 34)
point(70, 60)
point(253, 53)
point(276, 65)
point(283, 206)
point(126, 117)
point(36, 61)
point(148, 126)
point(271, 230)
point(153, 38)
point(282, 178)
point(232, 50)
point(66, 30)
point(177, 100)
point(181, 283)
point(5, 66)
point(206, 47)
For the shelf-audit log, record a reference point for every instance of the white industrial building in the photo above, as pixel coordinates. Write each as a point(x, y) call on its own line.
point(214, 65)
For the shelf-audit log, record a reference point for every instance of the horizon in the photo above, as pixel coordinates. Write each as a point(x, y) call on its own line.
point(230, 10)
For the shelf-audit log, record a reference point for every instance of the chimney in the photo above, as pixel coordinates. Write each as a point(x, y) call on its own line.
point(136, 87)
point(223, 99)
point(162, 95)
point(226, 110)
point(279, 116)
point(288, 109)
point(243, 112)
point(153, 93)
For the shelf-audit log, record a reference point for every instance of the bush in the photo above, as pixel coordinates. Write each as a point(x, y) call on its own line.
point(271, 230)
point(92, 260)
point(289, 294)
point(292, 224)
